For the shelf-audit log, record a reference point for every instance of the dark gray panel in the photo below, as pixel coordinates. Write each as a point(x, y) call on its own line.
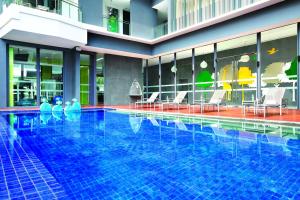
point(71, 75)
point(119, 73)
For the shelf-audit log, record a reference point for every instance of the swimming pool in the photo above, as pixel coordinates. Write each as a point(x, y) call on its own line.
point(106, 154)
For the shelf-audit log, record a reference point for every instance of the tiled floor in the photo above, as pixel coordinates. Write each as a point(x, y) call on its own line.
point(22, 175)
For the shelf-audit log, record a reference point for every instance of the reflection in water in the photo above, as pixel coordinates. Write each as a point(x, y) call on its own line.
point(45, 117)
point(57, 115)
point(135, 122)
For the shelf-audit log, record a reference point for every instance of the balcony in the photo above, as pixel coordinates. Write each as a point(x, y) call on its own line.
point(61, 7)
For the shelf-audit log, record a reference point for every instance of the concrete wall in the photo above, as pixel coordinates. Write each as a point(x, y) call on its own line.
point(4, 72)
point(92, 11)
point(119, 73)
point(143, 18)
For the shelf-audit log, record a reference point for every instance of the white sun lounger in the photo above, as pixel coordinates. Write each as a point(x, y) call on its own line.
point(215, 100)
point(177, 101)
point(149, 101)
point(272, 98)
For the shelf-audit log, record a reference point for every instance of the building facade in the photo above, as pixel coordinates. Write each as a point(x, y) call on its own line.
point(94, 50)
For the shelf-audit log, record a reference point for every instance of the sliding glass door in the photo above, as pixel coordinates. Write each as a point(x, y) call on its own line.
point(22, 76)
point(51, 63)
point(33, 74)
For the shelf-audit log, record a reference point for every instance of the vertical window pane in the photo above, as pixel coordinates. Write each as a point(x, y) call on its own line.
point(184, 73)
point(153, 75)
point(100, 78)
point(51, 63)
point(84, 79)
point(204, 72)
point(167, 76)
point(22, 76)
point(237, 69)
point(279, 61)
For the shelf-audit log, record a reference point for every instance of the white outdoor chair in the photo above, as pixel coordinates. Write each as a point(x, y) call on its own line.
point(149, 101)
point(177, 101)
point(272, 98)
point(215, 100)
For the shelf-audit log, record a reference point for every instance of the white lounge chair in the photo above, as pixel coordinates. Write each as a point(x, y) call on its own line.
point(177, 101)
point(215, 100)
point(272, 98)
point(149, 101)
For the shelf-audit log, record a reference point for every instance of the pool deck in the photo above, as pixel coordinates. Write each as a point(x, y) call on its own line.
point(288, 115)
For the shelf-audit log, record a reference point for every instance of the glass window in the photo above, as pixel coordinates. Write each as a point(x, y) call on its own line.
point(84, 79)
point(51, 63)
point(153, 76)
point(184, 77)
point(204, 72)
point(237, 69)
point(168, 70)
point(22, 76)
point(100, 78)
point(279, 61)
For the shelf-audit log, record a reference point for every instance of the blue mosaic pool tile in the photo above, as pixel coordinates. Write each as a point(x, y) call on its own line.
point(106, 156)
point(20, 168)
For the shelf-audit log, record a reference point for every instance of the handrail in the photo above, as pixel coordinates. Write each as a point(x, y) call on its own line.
point(61, 7)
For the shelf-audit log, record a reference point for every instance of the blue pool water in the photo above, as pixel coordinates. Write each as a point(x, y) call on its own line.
point(110, 155)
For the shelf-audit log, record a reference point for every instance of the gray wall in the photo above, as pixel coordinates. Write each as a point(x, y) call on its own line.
point(119, 73)
point(3, 79)
point(143, 18)
point(92, 11)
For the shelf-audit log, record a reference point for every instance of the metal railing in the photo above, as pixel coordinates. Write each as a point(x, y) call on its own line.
point(61, 7)
point(161, 30)
point(208, 10)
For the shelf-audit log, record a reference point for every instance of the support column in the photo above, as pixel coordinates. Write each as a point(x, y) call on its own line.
point(175, 75)
point(159, 77)
point(147, 79)
point(4, 81)
point(38, 76)
point(71, 75)
point(298, 68)
point(92, 81)
point(193, 75)
point(215, 66)
point(258, 66)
